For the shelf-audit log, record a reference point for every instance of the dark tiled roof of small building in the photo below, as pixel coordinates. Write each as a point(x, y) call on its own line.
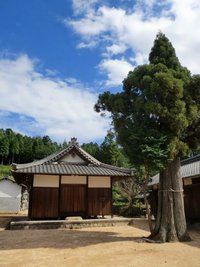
point(53, 165)
point(57, 155)
point(189, 168)
point(75, 169)
point(10, 178)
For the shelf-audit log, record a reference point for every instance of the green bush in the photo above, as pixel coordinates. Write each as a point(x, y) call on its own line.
point(135, 210)
point(4, 171)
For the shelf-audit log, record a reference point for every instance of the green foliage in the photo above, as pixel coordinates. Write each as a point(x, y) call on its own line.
point(108, 151)
point(157, 115)
point(93, 149)
point(112, 153)
point(163, 52)
point(4, 146)
point(4, 171)
point(135, 210)
point(15, 147)
point(125, 198)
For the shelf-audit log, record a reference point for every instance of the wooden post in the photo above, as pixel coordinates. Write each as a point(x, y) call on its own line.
point(59, 196)
point(111, 200)
point(30, 198)
point(86, 197)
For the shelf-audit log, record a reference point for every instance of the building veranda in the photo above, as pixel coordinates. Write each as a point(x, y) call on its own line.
point(69, 183)
point(190, 173)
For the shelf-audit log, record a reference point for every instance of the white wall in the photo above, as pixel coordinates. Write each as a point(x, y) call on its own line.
point(10, 196)
point(46, 181)
point(73, 158)
point(73, 179)
point(99, 182)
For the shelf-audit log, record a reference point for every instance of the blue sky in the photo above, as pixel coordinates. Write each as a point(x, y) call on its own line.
point(57, 56)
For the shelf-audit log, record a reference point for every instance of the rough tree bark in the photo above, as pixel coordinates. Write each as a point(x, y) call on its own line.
point(170, 222)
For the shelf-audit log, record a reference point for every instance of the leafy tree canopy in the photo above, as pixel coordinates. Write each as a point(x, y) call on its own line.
point(108, 151)
point(156, 116)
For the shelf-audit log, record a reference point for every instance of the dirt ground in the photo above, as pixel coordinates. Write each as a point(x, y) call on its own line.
point(107, 246)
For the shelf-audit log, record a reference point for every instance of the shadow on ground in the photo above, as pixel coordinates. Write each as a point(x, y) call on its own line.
point(23, 239)
point(72, 239)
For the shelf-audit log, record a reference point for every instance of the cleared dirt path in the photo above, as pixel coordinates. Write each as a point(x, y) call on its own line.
point(107, 246)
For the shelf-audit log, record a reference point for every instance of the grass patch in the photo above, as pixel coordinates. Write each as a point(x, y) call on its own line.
point(5, 171)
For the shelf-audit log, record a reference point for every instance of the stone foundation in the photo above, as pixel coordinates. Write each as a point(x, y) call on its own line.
point(63, 224)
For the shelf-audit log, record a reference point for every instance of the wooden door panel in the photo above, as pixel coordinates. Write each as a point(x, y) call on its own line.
point(196, 201)
point(99, 201)
point(191, 201)
point(44, 202)
point(66, 198)
point(72, 199)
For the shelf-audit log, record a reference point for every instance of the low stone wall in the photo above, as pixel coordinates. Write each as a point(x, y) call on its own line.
point(61, 224)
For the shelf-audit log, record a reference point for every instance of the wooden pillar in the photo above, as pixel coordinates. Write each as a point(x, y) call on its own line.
point(86, 197)
point(59, 189)
point(30, 198)
point(111, 197)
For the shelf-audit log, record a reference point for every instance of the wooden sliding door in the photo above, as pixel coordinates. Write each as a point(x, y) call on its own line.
point(73, 193)
point(44, 199)
point(99, 196)
point(72, 199)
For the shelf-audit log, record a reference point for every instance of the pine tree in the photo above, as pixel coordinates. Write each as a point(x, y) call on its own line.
point(156, 118)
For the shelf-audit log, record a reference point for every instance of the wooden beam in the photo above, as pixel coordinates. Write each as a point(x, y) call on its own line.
point(59, 197)
point(30, 198)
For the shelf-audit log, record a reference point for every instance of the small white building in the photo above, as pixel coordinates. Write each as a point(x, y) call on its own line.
point(10, 196)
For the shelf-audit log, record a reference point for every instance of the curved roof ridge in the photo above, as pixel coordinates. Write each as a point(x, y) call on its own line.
point(88, 156)
point(123, 169)
point(190, 160)
point(48, 159)
point(57, 155)
point(189, 168)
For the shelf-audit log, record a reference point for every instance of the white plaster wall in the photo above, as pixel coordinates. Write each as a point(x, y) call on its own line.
point(187, 181)
point(10, 196)
point(46, 181)
point(99, 182)
point(73, 179)
point(73, 158)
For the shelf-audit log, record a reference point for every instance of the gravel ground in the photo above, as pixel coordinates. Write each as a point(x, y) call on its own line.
point(106, 246)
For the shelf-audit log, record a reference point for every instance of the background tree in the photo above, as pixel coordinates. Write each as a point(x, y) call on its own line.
point(159, 104)
point(4, 146)
point(13, 144)
point(109, 151)
point(125, 197)
point(112, 153)
point(15, 147)
point(93, 149)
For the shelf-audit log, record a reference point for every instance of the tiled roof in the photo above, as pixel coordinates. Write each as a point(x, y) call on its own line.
point(75, 169)
point(10, 178)
point(57, 155)
point(189, 168)
point(53, 165)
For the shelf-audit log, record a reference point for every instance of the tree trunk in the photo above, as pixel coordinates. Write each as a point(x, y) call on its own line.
point(170, 222)
point(13, 157)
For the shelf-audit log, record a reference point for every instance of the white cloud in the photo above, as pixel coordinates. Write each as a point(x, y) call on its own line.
point(90, 44)
point(140, 58)
point(118, 29)
point(56, 108)
point(81, 6)
point(88, 26)
point(115, 49)
point(116, 70)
